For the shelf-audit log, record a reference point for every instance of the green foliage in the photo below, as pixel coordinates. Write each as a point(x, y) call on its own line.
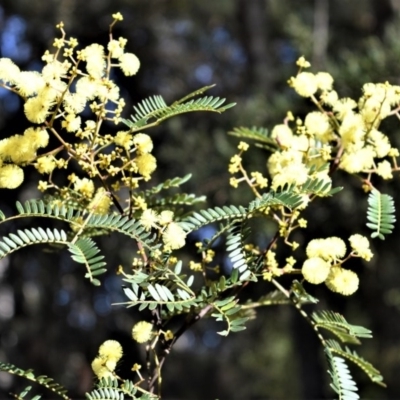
point(170, 286)
point(336, 324)
point(260, 135)
point(153, 110)
point(342, 382)
point(352, 356)
point(84, 251)
point(109, 389)
point(380, 214)
point(26, 237)
point(41, 380)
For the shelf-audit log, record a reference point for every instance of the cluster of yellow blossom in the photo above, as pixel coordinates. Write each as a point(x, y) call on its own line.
point(71, 81)
point(325, 258)
point(348, 129)
point(207, 258)
point(173, 236)
point(110, 352)
point(19, 150)
point(256, 179)
point(341, 129)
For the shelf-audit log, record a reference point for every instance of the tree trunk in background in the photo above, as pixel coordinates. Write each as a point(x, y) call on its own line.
point(383, 13)
point(320, 34)
point(252, 17)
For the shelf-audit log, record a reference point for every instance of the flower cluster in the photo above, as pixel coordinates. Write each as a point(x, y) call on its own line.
point(341, 133)
point(349, 129)
point(110, 352)
point(325, 260)
point(73, 81)
point(173, 236)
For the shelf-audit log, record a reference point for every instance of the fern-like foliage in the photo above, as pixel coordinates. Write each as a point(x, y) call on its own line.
point(124, 225)
point(205, 217)
point(235, 243)
point(168, 184)
point(39, 208)
point(153, 110)
point(286, 198)
point(335, 348)
point(110, 389)
point(84, 251)
point(164, 287)
point(380, 214)
point(336, 324)
point(342, 382)
point(178, 199)
point(228, 310)
point(273, 298)
point(41, 380)
point(260, 135)
point(319, 187)
point(26, 237)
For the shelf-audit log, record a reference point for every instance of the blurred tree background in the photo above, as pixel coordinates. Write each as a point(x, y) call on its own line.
point(53, 321)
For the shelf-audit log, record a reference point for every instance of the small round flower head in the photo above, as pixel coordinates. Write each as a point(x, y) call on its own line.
point(123, 139)
point(143, 143)
point(55, 70)
point(142, 331)
point(165, 217)
point(146, 164)
point(380, 143)
point(174, 236)
point(9, 72)
point(169, 335)
point(303, 63)
point(283, 135)
point(315, 270)
point(74, 103)
point(115, 48)
point(86, 87)
point(358, 161)
point(71, 123)
point(84, 186)
point(318, 125)
point(18, 149)
point(324, 81)
point(129, 64)
point(360, 246)
point(118, 16)
point(305, 84)
point(329, 249)
point(342, 281)
point(29, 83)
point(45, 164)
point(37, 137)
point(344, 106)
point(149, 219)
point(11, 176)
point(100, 203)
point(95, 62)
point(384, 169)
point(110, 350)
point(36, 109)
point(100, 369)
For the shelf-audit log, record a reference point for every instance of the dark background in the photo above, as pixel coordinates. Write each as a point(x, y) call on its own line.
point(53, 321)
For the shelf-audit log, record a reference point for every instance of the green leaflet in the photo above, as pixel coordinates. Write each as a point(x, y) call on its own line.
point(154, 110)
point(42, 380)
point(342, 382)
point(380, 214)
point(336, 324)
